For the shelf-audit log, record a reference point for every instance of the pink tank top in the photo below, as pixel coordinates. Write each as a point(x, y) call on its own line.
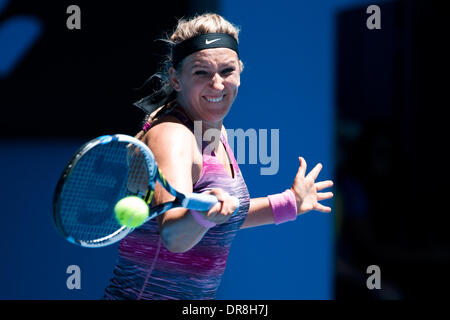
point(147, 270)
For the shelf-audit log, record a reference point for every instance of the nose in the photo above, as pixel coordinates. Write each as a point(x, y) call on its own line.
point(217, 82)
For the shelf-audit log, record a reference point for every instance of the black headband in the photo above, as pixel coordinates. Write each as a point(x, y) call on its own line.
point(203, 41)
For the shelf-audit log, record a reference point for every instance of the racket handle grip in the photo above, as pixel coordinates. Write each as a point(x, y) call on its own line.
point(203, 202)
point(199, 201)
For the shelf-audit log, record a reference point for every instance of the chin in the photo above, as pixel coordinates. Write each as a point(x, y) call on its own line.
point(220, 112)
point(217, 111)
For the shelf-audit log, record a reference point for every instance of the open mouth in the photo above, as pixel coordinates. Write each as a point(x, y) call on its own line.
point(214, 99)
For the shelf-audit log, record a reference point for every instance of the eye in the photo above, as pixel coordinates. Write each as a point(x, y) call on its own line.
point(200, 72)
point(227, 71)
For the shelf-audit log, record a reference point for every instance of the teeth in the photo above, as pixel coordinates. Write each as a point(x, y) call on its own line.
point(214, 99)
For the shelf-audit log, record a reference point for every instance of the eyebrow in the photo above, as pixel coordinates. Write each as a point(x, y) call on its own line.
point(230, 63)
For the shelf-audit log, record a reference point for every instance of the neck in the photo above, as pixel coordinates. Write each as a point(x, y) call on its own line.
point(205, 123)
point(208, 131)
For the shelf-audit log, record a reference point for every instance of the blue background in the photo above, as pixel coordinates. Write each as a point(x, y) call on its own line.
point(288, 84)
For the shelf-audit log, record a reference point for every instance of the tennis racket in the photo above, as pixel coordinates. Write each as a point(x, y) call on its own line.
point(102, 172)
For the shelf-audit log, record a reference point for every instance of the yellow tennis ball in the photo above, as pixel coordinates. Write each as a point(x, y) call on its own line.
point(131, 211)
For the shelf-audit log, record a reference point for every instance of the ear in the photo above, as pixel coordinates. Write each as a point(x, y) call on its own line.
point(241, 68)
point(174, 81)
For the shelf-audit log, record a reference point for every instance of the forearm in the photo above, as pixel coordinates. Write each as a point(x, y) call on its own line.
point(260, 213)
point(182, 233)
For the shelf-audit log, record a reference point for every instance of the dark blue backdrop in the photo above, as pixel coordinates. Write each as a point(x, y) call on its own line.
point(288, 51)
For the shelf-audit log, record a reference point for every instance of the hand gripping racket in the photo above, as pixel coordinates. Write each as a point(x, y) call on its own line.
point(102, 172)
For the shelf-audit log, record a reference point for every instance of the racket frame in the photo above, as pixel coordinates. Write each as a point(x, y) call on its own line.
point(121, 232)
point(200, 202)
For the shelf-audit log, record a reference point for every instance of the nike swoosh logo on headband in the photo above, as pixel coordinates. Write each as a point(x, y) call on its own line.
point(211, 41)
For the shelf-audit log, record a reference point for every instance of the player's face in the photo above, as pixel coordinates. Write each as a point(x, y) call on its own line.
point(208, 83)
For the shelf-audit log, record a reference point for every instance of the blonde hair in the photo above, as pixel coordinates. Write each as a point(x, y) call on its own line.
point(186, 29)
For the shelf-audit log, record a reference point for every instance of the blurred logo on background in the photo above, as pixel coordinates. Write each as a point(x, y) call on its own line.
point(17, 36)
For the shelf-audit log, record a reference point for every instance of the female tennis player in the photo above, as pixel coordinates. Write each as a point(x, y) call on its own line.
point(183, 253)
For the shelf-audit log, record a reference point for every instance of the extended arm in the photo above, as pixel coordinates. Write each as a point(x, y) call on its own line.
point(306, 192)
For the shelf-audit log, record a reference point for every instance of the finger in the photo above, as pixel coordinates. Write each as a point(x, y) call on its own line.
point(315, 171)
point(233, 205)
point(324, 195)
point(323, 184)
point(214, 209)
point(224, 208)
point(219, 193)
point(302, 167)
point(227, 206)
point(322, 208)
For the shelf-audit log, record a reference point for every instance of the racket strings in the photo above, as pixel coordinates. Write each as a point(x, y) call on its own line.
point(138, 176)
point(100, 178)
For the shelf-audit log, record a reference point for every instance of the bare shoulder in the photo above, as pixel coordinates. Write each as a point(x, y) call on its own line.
point(169, 135)
point(175, 147)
